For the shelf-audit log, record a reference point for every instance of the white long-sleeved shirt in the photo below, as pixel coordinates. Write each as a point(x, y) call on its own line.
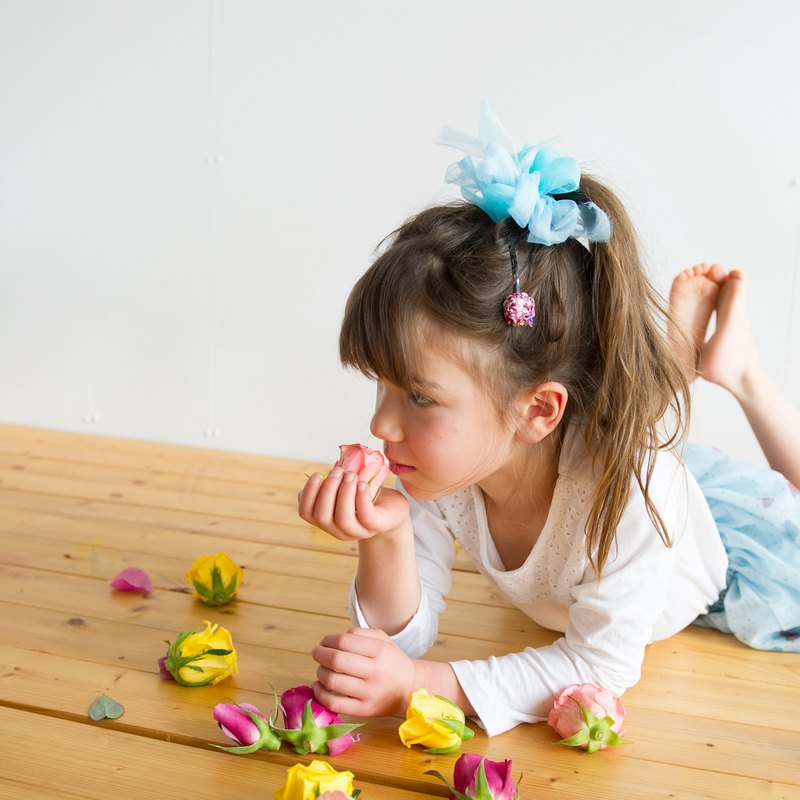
point(648, 591)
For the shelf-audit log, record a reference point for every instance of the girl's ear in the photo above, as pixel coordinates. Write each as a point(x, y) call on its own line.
point(540, 411)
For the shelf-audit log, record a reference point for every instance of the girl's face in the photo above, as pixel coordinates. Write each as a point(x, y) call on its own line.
point(443, 436)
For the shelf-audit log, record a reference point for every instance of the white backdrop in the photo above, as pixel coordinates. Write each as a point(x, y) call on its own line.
point(189, 189)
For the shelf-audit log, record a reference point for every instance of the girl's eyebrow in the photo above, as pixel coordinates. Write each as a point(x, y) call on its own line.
point(421, 383)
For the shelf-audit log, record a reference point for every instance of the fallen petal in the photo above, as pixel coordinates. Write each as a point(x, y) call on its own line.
point(132, 579)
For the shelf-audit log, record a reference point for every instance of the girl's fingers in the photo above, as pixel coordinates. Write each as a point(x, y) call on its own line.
point(307, 497)
point(364, 508)
point(348, 643)
point(339, 704)
point(344, 514)
point(335, 660)
point(326, 498)
point(342, 683)
point(376, 484)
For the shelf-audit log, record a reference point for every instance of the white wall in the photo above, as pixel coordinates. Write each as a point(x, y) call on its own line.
point(189, 189)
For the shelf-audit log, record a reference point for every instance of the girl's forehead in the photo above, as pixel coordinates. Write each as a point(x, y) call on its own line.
point(443, 366)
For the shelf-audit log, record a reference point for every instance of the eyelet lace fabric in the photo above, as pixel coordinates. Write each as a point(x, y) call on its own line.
point(555, 565)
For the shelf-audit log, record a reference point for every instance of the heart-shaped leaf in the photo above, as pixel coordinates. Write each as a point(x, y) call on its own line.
point(104, 707)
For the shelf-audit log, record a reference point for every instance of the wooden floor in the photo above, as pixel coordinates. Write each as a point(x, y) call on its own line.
point(709, 719)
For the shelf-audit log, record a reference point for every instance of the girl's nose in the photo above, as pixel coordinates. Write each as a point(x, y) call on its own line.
point(385, 423)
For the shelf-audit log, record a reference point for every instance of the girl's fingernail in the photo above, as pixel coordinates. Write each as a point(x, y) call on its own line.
point(362, 486)
point(315, 478)
point(349, 477)
point(336, 472)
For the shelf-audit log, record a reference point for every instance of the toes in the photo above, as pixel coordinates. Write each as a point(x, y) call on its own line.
point(717, 273)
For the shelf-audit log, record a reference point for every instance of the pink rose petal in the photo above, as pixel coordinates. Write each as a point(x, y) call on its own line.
point(132, 579)
point(163, 672)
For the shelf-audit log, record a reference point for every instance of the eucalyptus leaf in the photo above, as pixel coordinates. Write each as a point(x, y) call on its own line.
point(105, 708)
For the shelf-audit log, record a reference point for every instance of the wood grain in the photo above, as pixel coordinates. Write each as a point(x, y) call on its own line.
point(709, 719)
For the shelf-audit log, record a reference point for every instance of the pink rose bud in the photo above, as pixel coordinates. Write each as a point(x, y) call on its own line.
point(132, 579)
point(477, 778)
point(466, 778)
point(586, 716)
point(368, 465)
point(311, 727)
point(247, 726)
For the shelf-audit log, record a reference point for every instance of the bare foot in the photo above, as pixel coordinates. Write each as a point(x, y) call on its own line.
point(692, 300)
point(729, 358)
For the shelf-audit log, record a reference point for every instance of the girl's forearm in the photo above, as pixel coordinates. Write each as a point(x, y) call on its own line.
point(439, 678)
point(387, 581)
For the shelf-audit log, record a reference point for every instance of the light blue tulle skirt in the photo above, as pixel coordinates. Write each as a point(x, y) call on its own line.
point(757, 512)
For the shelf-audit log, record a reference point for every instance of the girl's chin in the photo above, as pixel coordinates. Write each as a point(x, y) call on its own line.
point(418, 493)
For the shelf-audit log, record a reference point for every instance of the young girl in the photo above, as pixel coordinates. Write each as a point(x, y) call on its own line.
point(522, 386)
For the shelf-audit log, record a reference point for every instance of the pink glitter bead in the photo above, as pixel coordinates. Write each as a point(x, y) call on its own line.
point(519, 309)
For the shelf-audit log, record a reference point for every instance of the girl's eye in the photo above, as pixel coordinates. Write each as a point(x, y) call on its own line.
point(420, 400)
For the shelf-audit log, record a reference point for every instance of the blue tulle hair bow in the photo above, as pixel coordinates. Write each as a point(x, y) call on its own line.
point(520, 184)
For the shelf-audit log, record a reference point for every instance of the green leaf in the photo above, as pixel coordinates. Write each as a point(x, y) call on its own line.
point(216, 652)
point(201, 589)
point(104, 707)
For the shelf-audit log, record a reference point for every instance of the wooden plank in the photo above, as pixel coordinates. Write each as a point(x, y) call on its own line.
point(65, 544)
point(101, 762)
point(267, 586)
point(506, 627)
point(295, 532)
point(65, 687)
point(95, 449)
point(698, 719)
point(149, 623)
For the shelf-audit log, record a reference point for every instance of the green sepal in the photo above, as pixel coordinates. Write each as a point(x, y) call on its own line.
point(241, 750)
point(597, 732)
point(309, 738)
point(482, 790)
point(218, 594)
point(457, 726)
point(443, 751)
point(173, 662)
point(460, 729)
point(453, 791)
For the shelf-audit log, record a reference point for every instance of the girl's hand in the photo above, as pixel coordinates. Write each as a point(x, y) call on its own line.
point(341, 505)
point(363, 673)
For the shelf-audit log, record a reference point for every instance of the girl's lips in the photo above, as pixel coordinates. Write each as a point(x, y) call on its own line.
point(400, 469)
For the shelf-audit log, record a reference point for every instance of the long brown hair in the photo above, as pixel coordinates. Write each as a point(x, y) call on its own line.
point(597, 332)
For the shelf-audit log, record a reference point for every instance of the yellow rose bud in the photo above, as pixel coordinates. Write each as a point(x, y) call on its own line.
point(201, 657)
point(215, 579)
point(308, 782)
point(434, 722)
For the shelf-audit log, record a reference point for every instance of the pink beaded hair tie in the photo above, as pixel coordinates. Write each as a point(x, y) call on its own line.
point(518, 307)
